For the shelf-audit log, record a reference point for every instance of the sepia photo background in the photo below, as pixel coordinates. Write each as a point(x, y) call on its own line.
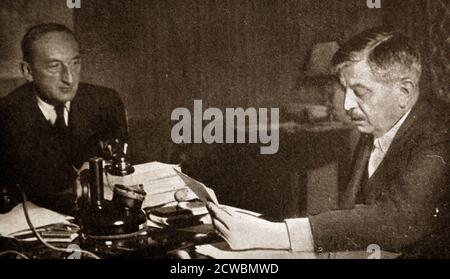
point(164, 54)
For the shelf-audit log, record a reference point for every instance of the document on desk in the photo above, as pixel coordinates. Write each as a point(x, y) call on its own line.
point(14, 221)
point(221, 251)
point(198, 188)
point(159, 180)
point(216, 253)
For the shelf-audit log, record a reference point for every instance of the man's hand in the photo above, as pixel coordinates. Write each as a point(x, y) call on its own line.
point(243, 231)
point(81, 179)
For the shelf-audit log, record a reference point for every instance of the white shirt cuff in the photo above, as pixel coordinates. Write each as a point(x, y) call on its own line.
point(300, 234)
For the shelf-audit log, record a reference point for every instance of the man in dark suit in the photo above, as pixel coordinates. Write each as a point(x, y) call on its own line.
point(398, 194)
point(53, 123)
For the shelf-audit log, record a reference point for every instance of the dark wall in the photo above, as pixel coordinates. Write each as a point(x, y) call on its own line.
point(427, 22)
point(161, 55)
point(164, 54)
point(15, 17)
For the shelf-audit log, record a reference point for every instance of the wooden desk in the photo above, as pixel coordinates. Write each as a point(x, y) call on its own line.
point(221, 251)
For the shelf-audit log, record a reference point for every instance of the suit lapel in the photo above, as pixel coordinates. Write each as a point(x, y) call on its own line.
point(80, 119)
point(35, 135)
point(34, 118)
point(359, 164)
point(400, 142)
point(86, 127)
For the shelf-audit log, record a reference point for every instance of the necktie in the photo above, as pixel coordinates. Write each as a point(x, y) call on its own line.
point(62, 131)
point(374, 160)
point(60, 123)
point(376, 156)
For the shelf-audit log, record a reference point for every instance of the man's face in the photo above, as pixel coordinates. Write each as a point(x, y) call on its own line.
point(55, 66)
point(372, 105)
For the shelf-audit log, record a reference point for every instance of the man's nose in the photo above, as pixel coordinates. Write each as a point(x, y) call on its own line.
point(66, 75)
point(350, 100)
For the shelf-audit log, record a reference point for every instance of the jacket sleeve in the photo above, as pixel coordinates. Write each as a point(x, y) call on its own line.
point(406, 210)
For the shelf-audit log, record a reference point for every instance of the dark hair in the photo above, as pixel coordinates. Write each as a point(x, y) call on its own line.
point(37, 31)
point(389, 54)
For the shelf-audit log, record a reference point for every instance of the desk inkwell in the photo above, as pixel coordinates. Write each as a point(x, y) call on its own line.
point(111, 223)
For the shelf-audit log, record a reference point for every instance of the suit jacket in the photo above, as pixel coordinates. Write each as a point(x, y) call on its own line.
point(404, 206)
point(34, 157)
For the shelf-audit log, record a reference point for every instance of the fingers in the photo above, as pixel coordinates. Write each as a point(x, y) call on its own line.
point(230, 212)
point(222, 221)
point(212, 194)
point(219, 213)
point(223, 230)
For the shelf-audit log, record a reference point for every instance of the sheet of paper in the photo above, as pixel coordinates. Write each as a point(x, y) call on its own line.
point(222, 251)
point(240, 210)
point(216, 253)
point(160, 182)
point(198, 188)
point(15, 221)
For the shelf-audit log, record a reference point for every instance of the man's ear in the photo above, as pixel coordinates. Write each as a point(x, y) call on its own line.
point(27, 73)
point(407, 89)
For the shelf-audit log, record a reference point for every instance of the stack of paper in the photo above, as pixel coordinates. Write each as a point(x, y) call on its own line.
point(53, 226)
point(160, 182)
point(60, 233)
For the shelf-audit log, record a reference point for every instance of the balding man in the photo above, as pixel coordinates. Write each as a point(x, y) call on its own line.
point(53, 123)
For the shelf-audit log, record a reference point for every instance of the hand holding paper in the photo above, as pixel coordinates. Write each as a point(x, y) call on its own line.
point(244, 231)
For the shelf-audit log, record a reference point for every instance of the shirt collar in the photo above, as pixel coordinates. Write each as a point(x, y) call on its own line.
point(45, 105)
point(49, 111)
point(48, 107)
point(385, 141)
